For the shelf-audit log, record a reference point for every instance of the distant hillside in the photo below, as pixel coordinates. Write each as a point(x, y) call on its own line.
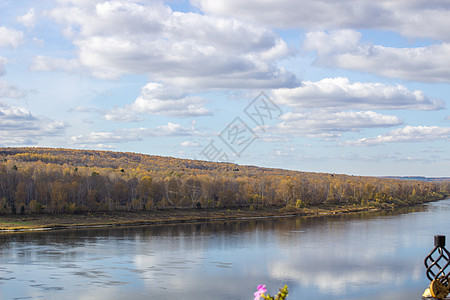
point(65, 180)
point(111, 159)
point(419, 178)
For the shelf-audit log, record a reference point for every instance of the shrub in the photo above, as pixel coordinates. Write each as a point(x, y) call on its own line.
point(300, 204)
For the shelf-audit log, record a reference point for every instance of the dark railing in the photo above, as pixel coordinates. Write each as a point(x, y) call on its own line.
point(436, 263)
point(438, 260)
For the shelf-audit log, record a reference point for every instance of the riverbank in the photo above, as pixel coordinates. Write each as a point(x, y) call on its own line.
point(30, 222)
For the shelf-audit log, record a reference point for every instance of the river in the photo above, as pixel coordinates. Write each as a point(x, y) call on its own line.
point(376, 255)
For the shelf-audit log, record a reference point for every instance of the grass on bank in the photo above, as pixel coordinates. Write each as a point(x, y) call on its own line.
point(30, 221)
point(21, 222)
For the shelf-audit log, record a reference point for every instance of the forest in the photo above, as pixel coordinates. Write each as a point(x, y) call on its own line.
point(53, 181)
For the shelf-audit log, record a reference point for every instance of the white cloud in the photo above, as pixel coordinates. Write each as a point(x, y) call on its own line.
point(105, 137)
point(123, 114)
point(343, 49)
point(134, 134)
point(393, 157)
point(29, 19)
point(83, 109)
point(335, 41)
point(415, 159)
point(339, 93)
point(189, 144)
point(19, 126)
point(97, 146)
point(38, 41)
point(158, 99)
point(10, 37)
point(185, 49)
point(3, 61)
point(331, 124)
point(180, 107)
point(274, 138)
point(419, 18)
point(45, 63)
point(10, 91)
point(406, 134)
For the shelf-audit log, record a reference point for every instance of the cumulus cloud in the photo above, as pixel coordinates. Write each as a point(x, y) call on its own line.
point(152, 102)
point(189, 144)
point(185, 49)
point(104, 137)
point(10, 91)
point(339, 93)
point(10, 37)
point(29, 19)
point(406, 134)
point(46, 63)
point(343, 49)
point(331, 124)
point(420, 18)
point(19, 126)
point(134, 134)
point(158, 99)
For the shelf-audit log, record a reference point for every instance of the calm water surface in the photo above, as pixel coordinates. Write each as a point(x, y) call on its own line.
point(357, 256)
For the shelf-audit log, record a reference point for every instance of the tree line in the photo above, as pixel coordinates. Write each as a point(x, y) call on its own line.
point(45, 180)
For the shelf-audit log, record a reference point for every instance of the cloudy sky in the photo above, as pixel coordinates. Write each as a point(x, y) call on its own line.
point(356, 87)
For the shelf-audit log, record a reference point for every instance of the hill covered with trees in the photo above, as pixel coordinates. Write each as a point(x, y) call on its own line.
point(47, 180)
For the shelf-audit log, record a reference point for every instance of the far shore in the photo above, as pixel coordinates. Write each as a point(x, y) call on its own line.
point(40, 222)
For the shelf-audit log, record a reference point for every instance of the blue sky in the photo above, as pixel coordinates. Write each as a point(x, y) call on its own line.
point(354, 87)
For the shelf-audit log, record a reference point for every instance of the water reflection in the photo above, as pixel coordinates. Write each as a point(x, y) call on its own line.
point(354, 256)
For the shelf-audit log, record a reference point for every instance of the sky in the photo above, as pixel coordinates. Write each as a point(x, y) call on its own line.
point(351, 87)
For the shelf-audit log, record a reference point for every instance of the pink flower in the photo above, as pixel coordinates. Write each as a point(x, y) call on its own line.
point(261, 290)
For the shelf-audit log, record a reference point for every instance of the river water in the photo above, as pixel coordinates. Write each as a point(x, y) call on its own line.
point(376, 255)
